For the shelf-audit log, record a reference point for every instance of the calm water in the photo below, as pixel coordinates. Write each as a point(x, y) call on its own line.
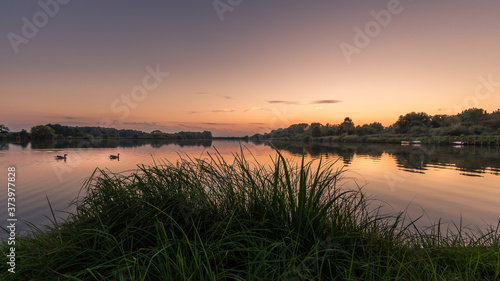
point(450, 183)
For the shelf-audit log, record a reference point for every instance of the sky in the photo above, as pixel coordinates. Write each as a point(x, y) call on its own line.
point(240, 67)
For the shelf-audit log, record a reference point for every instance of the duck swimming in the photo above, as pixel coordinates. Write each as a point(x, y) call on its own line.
point(59, 157)
point(115, 156)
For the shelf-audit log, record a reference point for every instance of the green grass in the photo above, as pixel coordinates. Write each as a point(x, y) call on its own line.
point(240, 220)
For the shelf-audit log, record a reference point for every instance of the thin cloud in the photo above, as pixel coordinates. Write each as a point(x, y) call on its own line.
point(224, 110)
point(142, 123)
point(256, 108)
point(70, 118)
point(324, 101)
point(187, 126)
point(215, 95)
point(304, 102)
point(218, 124)
point(283, 101)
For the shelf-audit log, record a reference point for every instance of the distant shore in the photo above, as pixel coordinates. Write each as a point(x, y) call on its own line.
point(395, 139)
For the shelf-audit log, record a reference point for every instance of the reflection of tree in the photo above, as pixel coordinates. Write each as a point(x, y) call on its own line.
point(113, 143)
point(43, 144)
point(346, 151)
point(412, 159)
point(159, 143)
point(4, 146)
point(472, 160)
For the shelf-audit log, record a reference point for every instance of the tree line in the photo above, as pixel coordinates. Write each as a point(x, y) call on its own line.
point(473, 121)
point(54, 131)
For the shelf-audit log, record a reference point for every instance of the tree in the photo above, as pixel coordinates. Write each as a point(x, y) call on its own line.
point(316, 132)
point(347, 126)
point(404, 123)
point(3, 129)
point(438, 121)
point(156, 134)
point(207, 135)
point(42, 132)
point(473, 115)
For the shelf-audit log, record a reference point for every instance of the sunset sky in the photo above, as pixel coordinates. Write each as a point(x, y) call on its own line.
point(240, 67)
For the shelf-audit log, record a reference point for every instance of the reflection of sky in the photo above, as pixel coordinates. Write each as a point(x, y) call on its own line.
point(440, 192)
point(223, 74)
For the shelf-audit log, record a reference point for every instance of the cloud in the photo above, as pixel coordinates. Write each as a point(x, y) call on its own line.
point(223, 110)
point(218, 124)
point(70, 118)
point(256, 108)
point(142, 123)
point(304, 102)
point(282, 101)
point(215, 95)
point(324, 101)
point(187, 126)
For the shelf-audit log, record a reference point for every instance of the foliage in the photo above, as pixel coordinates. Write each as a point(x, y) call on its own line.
point(472, 121)
point(42, 132)
point(3, 129)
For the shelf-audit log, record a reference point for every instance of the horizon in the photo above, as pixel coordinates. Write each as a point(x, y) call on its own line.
point(238, 68)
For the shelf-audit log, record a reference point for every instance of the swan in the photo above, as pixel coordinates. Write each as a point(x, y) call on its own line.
point(59, 157)
point(115, 156)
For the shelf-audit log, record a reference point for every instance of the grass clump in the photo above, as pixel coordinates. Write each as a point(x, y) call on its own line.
point(207, 219)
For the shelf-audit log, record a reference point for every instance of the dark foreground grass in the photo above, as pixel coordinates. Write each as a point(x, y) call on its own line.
point(214, 220)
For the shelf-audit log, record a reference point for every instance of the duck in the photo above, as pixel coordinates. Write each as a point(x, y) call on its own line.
point(59, 157)
point(115, 156)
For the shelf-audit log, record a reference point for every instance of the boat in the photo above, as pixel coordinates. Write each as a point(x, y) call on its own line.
point(411, 142)
point(459, 143)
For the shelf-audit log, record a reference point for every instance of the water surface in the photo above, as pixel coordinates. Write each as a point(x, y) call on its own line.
point(438, 182)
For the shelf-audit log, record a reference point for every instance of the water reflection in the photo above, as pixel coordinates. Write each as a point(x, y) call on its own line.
point(113, 143)
point(471, 160)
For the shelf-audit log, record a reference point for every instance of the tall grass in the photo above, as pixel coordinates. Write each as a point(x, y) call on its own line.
point(207, 219)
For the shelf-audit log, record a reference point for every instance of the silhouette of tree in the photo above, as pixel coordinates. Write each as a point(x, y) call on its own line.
point(42, 132)
point(3, 129)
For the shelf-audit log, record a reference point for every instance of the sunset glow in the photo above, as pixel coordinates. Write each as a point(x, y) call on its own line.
point(189, 66)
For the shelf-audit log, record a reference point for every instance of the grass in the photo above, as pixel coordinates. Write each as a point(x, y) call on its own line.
point(213, 220)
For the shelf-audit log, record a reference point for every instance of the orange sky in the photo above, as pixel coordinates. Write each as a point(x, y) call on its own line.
point(264, 65)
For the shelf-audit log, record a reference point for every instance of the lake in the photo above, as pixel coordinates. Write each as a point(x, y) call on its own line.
point(454, 184)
